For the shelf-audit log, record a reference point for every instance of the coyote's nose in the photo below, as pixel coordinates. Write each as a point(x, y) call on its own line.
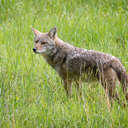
point(34, 49)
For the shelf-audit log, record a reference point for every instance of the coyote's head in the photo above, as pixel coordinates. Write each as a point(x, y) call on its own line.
point(44, 42)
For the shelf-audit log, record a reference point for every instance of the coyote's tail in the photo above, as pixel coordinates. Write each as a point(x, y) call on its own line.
point(121, 74)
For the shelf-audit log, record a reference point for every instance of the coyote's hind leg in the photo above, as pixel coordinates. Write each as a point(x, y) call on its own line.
point(108, 80)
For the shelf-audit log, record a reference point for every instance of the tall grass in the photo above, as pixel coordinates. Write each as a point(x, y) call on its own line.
point(31, 92)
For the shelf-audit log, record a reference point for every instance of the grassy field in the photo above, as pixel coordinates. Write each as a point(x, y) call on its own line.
point(31, 92)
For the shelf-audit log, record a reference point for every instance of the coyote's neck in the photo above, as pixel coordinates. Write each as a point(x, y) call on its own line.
point(58, 41)
point(62, 44)
point(57, 55)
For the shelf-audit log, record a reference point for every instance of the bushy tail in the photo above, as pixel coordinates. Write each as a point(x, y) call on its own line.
point(121, 74)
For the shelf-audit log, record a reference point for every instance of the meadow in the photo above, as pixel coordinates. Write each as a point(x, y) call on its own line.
point(31, 92)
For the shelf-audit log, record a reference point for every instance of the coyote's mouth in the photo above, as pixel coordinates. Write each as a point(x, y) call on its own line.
point(35, 51)
point(38, 51)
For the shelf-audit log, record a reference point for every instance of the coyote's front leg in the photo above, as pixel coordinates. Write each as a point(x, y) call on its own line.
point(79, 88)
point(68, 87)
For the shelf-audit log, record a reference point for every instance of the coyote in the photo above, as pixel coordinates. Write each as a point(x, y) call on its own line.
point(78, 64)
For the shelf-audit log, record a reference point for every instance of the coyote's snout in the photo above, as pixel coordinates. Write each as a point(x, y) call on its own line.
point(34, 50)
point(77, 64)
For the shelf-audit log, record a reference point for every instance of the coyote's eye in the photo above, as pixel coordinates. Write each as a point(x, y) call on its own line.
point(36, 41)
point(43, 42)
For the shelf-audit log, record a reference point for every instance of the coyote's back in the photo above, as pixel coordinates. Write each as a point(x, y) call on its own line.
point(76, 64)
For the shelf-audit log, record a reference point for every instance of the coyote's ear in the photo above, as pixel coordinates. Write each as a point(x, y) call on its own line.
point(52, 32)
point(36, 32)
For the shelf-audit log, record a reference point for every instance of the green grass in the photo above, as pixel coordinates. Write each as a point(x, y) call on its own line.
point(31, 92)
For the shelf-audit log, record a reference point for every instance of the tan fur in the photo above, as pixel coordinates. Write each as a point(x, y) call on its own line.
point(77, 64)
